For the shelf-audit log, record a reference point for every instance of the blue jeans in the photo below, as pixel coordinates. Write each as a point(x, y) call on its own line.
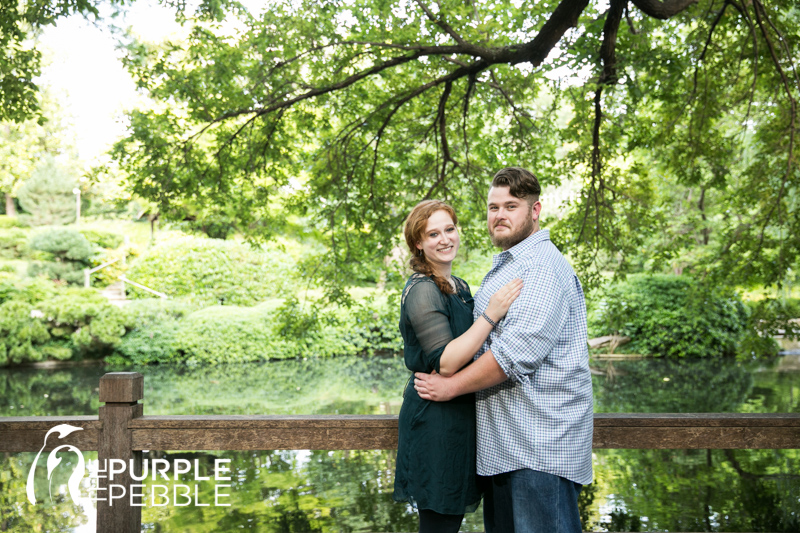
point(528, 501)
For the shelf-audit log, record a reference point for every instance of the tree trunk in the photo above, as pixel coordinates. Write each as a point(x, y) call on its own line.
point(11, 210)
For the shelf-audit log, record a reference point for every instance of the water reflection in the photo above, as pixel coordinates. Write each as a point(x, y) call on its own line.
point(697, 490)
point(651, 490)
point(694, 386)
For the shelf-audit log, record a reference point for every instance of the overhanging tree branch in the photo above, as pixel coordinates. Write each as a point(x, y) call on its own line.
point(662, 10)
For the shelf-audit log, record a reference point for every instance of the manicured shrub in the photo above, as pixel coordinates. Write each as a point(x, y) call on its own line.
point(22, 333)
point(670, 316)
point(153, 326)
point(65, 244)
point(65, 324)
point(7, 222)
point(224, 334)
point(56, 271)
point(13, 243)
point(210, 271)
point(28, 290)
point(231, 334)
point(103, 239)
point(47, 195)
point(69, 253)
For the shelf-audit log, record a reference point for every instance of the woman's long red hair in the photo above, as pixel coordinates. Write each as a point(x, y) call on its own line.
point(414, 232)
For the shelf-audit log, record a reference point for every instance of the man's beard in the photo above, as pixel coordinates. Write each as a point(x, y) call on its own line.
point(508, 240)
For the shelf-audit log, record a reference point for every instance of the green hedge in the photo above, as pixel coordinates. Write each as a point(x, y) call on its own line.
point(670, 316)
point(7, 222)
point(39, 323)
point(13, 243)
point(232, 334)
point(103, 239)
point(207, 271)
point(28, 290)
point(153, 332)
point(68, 253)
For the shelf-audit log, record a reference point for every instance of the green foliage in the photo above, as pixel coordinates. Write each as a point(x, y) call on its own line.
point(69, 253)
point(21, 334)
point(89, 324)
point(153, 326)
point(28, 290)
point(66, 272)
point(671, 316)
point(230, 334)
point(103, 239)
point(207, 271)
point(769, 318)
point(165, 332)
point(7, 222)
point(24, 145)
point(676, 127)
point(20, 62)
point(13, 243)
point(39, 322)
point(65, 244)
point(373, 326)
point(47, 195)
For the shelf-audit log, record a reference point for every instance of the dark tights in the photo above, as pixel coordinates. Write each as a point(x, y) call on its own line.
point(433, 522)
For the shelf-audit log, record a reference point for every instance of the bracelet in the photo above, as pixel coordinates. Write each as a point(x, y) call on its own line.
point(489, 320)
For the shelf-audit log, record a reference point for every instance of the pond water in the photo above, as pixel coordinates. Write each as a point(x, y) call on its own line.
point(303, 491)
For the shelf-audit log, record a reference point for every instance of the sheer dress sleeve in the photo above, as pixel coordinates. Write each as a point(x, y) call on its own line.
point(429, 316)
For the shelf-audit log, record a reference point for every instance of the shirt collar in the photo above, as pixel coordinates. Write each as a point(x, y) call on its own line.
point(524, 247)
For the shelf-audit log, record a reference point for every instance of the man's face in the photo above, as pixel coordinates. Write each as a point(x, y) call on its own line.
point(510, 219)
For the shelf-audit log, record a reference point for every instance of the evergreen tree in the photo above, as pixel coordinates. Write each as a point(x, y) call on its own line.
point(47, 196)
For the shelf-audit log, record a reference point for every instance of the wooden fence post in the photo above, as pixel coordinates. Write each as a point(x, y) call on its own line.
point(121, 392)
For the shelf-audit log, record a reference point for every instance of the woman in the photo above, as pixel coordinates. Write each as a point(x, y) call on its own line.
point(436, 450)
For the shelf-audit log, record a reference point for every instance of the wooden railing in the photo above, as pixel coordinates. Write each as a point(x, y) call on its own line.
point(121, 431)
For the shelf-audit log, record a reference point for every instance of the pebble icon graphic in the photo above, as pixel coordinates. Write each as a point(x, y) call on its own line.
point(53, 461)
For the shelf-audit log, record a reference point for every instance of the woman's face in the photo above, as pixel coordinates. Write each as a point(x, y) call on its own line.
point(440, 240)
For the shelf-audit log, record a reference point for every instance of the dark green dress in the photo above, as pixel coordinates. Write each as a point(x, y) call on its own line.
point(436, 449)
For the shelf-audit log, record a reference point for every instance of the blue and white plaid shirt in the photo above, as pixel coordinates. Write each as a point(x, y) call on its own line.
point(541, 417)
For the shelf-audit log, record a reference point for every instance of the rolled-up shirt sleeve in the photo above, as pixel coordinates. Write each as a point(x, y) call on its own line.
point(532, 325)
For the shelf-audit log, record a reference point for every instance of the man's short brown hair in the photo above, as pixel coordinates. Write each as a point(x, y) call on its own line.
point(520, 182)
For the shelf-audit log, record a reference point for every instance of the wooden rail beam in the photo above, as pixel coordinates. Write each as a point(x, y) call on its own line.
point(26, 433)
point(697, 430)
point(334, 432)
point(373, 432)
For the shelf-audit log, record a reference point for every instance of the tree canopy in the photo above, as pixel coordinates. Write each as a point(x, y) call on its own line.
point(677, 118)
point(20, 60)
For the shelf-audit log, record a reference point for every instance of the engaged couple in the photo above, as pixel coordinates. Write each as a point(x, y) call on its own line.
point(501, 404)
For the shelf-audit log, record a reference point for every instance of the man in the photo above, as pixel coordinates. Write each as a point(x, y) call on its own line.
point(534, 388)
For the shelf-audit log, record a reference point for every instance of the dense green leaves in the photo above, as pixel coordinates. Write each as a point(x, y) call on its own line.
point(47, 196)
point(671, 316)
point(40, 322)
point(66, 252)
point(212, 271)
point(347, 113)
point(164, 332)
point(20, 61)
